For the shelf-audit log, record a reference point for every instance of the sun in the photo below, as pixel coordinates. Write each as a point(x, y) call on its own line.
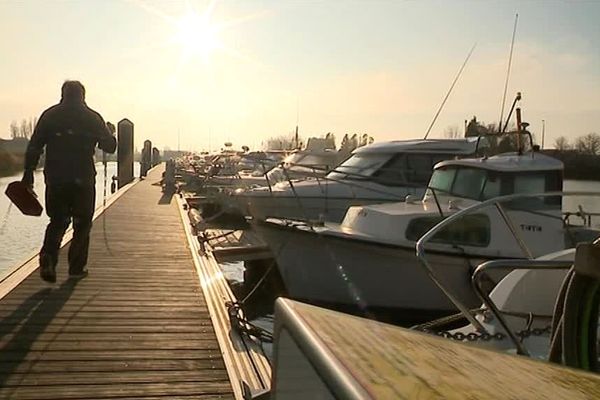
point(197, 35)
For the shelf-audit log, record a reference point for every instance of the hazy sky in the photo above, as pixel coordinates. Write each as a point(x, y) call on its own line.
point(380, 67)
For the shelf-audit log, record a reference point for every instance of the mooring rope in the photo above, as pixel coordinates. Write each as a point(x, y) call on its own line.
point(104, 162)
point(5, 218)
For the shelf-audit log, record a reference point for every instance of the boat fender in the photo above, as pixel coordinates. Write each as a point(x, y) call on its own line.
point(587, 260)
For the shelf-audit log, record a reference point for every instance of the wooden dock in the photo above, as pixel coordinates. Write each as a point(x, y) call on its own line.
point(138, 326)
point(321, 353)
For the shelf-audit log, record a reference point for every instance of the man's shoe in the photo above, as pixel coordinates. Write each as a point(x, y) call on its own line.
point(75, 276)
point(47, 269)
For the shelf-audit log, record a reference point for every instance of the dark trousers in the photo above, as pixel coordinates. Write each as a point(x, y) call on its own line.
point(64, 202)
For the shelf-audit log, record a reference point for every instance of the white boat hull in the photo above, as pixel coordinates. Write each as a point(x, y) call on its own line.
point(351, 273)
point(303, 208)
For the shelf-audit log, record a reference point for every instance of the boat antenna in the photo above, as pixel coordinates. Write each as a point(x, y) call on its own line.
point(296, 138)
point(512, 45)
point(517, 98)
point(449, 91)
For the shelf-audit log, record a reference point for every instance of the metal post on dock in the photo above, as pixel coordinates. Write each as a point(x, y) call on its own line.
point(125, 152)
point(146, 159)
point(155, 156)
point(169, 177)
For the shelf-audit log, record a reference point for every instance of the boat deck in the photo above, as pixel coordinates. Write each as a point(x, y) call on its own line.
point(138, 326)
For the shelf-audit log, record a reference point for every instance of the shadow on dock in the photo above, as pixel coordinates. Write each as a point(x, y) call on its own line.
point(166, 197)
point(20, 329)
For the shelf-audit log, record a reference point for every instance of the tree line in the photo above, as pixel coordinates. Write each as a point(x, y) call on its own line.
point(23, 129)
point(587, 144)
point(496, 142)
point(580, 155)
point(293, 142)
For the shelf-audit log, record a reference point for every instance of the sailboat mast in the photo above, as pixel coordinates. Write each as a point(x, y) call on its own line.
point(449, 91)
point(512, 45)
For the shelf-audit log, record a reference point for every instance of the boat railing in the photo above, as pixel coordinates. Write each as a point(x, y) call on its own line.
point(510, 265)
point(496, 136)
point(496, 203)
point(585, 216)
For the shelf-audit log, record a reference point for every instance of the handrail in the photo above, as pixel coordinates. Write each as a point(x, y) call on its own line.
point(511, 265)
point(420, 245)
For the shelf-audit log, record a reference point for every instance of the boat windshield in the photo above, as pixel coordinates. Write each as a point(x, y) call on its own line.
point(359, 166)
point(300, 160)
point(482, 184)
point(412, 169)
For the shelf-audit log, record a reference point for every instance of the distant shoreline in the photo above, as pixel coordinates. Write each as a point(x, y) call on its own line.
point(578, 166)
point(10, 163)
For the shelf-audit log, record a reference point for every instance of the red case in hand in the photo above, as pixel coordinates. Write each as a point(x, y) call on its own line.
point(24, 198)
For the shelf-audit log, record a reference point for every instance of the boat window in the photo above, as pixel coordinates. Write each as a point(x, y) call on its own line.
point(469, 182)
point(492, 187)
point(436, 158)
point(442, 179)
point(411, 169)
point(536, 182)
point(419, 168)
point(392, 172)
point(319, 162)
point(470, 230)
point(530, 183)
point(359, 166)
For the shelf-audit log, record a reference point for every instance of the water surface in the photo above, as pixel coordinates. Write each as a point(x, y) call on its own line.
point(20, 235)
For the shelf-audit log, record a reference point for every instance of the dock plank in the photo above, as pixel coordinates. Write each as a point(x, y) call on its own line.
point(136, 327)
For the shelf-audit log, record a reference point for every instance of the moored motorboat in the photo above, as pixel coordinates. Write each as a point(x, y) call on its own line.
point(368, 261)
point(377, 173)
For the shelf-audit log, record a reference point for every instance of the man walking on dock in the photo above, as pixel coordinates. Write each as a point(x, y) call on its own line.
point(69, 131)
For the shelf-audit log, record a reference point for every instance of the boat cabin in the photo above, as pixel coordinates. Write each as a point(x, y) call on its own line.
point(401, 162)
point(485, 178)
point(458, 184)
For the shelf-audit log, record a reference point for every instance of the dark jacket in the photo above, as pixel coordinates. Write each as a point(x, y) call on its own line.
point(70, 131)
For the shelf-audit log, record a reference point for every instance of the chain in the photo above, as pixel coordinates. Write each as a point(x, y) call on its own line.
point(486, 337)
point(525, 333)
point(470, 337)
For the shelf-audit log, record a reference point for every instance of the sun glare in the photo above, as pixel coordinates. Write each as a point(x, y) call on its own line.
point(197, 35)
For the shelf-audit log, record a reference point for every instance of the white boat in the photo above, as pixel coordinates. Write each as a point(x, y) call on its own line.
point(377, 173)
point(315, 160)
point(368, 261)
